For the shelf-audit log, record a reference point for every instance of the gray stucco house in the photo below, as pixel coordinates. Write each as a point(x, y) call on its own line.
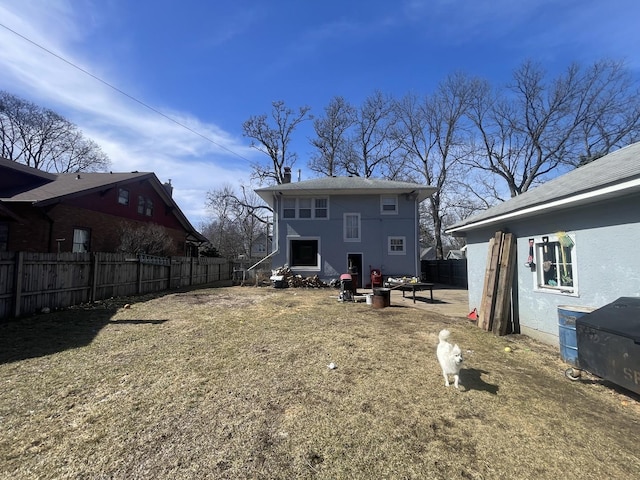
point(328, 225)
point(583, 230)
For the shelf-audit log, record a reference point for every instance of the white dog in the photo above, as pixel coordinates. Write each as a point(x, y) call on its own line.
point(450, 358)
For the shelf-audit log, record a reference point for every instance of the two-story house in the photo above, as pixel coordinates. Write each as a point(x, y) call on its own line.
point(333, 225)
point(80, 212)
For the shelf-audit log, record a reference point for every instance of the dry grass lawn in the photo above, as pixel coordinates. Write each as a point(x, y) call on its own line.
point(233, 383)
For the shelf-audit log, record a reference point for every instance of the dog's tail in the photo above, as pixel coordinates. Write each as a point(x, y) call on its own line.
point(444, 335)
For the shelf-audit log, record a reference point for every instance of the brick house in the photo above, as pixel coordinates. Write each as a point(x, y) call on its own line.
point(79, 212)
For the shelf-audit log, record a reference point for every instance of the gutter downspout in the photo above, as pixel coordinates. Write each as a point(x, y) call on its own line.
point(276, 236)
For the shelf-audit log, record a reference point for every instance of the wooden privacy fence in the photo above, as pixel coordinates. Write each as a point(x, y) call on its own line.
point(30, 282)
point(447, 272)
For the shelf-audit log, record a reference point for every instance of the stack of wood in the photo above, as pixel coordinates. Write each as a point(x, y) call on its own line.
point(495, 309)
point(298, 281)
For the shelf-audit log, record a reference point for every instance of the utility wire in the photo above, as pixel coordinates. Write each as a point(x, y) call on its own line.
point(124, 93)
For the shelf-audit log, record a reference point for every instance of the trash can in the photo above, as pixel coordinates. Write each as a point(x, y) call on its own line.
point(381, 297)
point(567, 316)
point(609, 342)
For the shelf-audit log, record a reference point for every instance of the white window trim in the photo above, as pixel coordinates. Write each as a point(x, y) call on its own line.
point(564, 291)
point(344, 227)
point(308, 268)
point(83, 232)
point(394, 252)
point(120, 196)
point(382, 203)
point(297, 208)
point(313, 200)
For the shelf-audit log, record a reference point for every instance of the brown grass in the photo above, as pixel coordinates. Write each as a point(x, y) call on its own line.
point(233, 383)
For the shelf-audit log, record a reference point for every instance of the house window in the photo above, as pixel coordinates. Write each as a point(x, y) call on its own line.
point(321, 210)
point(304, 253)
point(145, 206)
point(123, 196)
point(81, 240)
point(289, 208)
point(389, 204)
point(351, 227)
point(555, 267)
point(396, 246)
point(305, 207)
point(4, 236)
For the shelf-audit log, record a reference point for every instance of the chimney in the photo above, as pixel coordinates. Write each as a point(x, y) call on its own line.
point(168, 187)
point(287, 175)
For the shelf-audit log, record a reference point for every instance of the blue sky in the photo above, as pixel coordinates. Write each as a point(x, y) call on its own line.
point(212, 65)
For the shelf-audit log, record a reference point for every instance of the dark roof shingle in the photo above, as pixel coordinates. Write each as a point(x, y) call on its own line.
point(577, 186)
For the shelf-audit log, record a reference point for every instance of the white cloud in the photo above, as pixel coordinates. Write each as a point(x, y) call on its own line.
point(134, 136)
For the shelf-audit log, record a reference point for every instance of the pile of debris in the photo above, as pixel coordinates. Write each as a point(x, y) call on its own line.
point(283, 277)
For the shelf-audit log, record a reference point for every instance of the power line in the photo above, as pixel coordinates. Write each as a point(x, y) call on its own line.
point(124, 93)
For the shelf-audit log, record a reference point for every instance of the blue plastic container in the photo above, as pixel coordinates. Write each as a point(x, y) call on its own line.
point(567, 316)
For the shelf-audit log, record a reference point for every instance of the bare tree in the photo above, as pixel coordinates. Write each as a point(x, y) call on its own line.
point(238, 219)
point(613, 118)
point(372, 145)
point(435, 139)
point(527, 133)
point(273, 140)
point(43, 139)
point(331, 139)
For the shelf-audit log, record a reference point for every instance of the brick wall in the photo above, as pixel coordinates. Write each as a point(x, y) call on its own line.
point(38, 233)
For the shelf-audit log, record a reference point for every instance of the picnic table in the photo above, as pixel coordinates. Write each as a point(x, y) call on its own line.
point(412, 287)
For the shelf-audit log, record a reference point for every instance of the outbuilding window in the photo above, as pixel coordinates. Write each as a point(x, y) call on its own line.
point(555, 263)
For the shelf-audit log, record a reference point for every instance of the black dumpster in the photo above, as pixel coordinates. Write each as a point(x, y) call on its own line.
point(609, 342)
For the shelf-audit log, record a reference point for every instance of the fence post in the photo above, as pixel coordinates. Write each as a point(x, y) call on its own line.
point(17, 282)
point(191, 273)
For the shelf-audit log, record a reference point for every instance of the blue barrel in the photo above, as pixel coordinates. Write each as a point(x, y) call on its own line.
point(567, 316)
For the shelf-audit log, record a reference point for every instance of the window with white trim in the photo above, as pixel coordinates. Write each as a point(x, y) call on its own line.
point(123, 196)
point(81, 238)
point(555, 263)
point(351, 227)
point(288, 208)
point(145, 206)
point(305, 208)
point(304, 253)
point(389, 204)
point(321, 207)
point(396, 246)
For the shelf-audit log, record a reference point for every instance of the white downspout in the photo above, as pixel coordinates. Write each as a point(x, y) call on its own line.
point(276, 234)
